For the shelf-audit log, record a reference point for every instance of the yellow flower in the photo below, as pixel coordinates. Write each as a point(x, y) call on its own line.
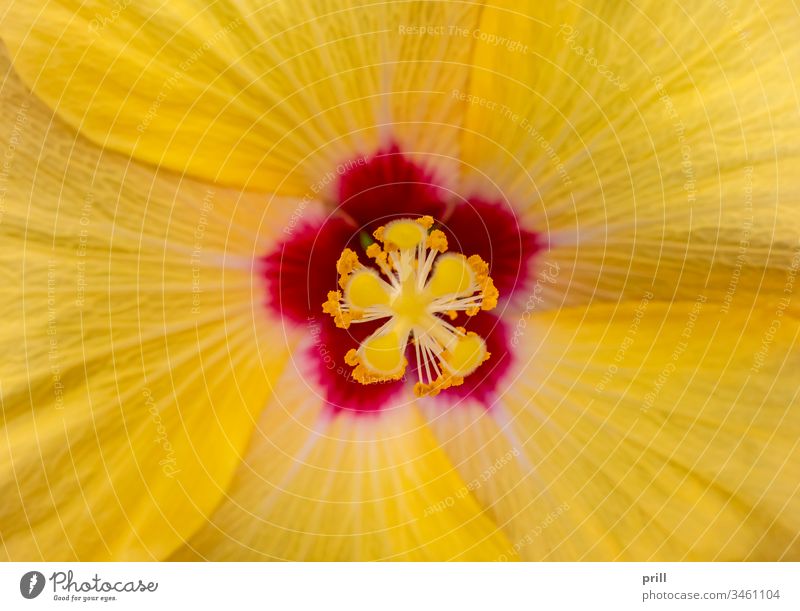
point(618, 182)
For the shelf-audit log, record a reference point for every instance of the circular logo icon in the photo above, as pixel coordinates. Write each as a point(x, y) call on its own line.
point(31, 584)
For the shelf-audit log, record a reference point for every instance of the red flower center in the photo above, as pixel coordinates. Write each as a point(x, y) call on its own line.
point(301, 271)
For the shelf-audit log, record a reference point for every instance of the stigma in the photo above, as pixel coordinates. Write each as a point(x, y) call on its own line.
point(418, 288)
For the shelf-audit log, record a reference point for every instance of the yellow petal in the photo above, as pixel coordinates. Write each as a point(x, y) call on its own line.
point(349, 488)
point(141, 352)
point(627, 433)
point(655, 143)
point(279, 97)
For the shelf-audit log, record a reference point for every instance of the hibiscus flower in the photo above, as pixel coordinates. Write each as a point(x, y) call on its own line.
point(400, 280)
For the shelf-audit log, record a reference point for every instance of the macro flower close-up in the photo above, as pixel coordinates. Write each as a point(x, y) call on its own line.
point(400, 280)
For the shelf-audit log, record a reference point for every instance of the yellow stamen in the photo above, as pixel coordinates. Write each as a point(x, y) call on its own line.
point(425, 221)
point(443, 382)
point(348, 261)
point(374, 251)
point(490, 293)
point(420, 287)
point(334, 307)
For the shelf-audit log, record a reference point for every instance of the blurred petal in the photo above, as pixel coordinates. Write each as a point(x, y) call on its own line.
point(655, 143)
point(643, 432)
point(271, 96)
point(137, 344)
point(319, 487)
